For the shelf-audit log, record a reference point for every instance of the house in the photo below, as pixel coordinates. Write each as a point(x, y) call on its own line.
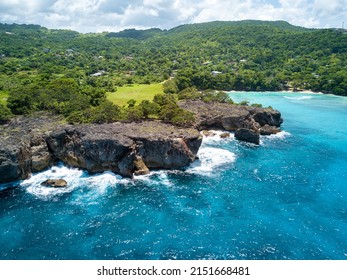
point(216, 73)
point(98, 74)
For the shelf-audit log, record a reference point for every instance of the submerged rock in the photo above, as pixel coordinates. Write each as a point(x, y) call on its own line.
point(224, 135)
point(55, 183)
point(208, 133)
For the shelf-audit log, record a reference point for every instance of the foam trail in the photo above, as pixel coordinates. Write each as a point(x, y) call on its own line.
point(280, 135)
point(298, 98)
point(273, 137)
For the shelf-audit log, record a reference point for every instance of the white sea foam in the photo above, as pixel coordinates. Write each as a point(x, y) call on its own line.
point(215, 136)
point(156, 178)
point(209, 159)
point(74, 177)
point(278, 136)
point(106, 179)
point(298, 97)
point(70, 175)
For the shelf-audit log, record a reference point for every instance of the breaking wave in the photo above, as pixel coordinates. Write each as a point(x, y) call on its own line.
point(209, 159)
point(74, 177)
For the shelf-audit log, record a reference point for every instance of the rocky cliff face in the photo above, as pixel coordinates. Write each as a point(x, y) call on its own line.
point(247, 122)
point(124, 148)
point(33, 144)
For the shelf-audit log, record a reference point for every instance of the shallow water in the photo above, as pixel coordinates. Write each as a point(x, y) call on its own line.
point(286, 199)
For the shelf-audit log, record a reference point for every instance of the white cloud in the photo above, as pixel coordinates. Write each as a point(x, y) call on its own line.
point(114, 15)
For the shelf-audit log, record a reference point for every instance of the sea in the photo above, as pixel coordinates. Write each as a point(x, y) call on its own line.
point(283, 200)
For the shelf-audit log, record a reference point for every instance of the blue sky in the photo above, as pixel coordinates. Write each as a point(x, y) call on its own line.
point(114, 15)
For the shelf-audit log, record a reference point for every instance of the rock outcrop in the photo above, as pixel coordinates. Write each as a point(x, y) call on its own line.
point(249, 122)
point(32, 144)
point(247, 135)
point(15, 162)
point(124, 148)
point(55, 183)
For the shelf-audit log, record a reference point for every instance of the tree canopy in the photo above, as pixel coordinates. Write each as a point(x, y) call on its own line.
point(65, 71)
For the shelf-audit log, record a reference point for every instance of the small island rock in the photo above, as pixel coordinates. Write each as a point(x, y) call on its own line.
point(55, 183)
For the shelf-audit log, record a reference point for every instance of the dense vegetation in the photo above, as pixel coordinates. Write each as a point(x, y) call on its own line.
point(71, 73)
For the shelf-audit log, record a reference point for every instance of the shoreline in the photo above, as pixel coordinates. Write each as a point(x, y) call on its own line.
point(282, 91)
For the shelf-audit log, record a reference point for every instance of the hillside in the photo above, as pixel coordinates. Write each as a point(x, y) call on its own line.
point(245, 55)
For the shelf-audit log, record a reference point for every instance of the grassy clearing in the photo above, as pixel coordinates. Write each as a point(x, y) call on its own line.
point(137, 92)
point(3, 97)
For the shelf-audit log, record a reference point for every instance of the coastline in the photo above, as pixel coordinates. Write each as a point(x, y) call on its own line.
point(282, 91)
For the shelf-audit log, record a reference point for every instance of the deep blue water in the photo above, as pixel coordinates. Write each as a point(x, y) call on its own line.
point(286, 199)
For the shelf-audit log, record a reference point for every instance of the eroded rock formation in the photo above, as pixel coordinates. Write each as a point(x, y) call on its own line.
point(124, 148)
point(247, 122)
point(32, 144)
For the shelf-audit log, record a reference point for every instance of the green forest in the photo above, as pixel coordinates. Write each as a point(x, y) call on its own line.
point(69, 73)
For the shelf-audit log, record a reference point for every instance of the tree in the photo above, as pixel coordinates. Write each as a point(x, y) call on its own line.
point(170, 87)
point(131, 103)
point(164, 99)
point(106, 112)
point(77, 103)
point(134, 114)
point(171, 113)
point(148, 108)
point(20, 103)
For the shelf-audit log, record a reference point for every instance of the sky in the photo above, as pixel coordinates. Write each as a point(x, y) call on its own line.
point(114, 15)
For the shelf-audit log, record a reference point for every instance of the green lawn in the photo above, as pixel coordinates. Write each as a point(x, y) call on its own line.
point(137, 92)
point(3, 97)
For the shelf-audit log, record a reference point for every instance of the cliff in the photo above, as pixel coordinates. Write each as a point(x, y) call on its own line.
point(247, 122)
point(35, 143)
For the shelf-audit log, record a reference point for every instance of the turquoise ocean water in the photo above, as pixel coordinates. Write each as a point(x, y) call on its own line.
point(286, 199)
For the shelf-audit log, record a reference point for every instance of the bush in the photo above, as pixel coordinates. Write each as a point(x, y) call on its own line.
point(20, 103)
point(107, 112)
point(164, 99)
point(77, 118)
point(175, 115)
point(244, 103)
point(5, 114)
point(170, 87)
point(131, 103)
point(79, 102)
point(134, 114)
point(148, 108)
